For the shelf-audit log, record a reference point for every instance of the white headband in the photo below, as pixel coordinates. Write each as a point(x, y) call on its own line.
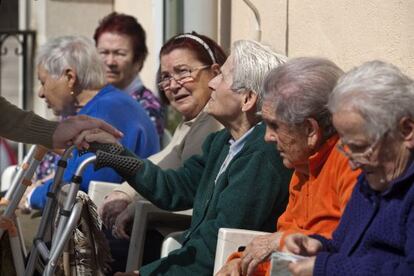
point(199, 40)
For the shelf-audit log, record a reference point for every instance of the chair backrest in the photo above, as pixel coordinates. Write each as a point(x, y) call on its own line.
point(99, 189)
point(229, 240)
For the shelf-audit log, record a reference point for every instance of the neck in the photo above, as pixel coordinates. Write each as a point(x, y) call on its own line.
point(240, 126)
point(85, 96)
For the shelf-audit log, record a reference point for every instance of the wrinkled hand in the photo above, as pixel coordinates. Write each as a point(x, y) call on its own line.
point(68, 130)
point(113, 204)
point(132, 273)
point(302, 245)
point(123, 222)
point(302, 267)
point(258, 250)
point(95, 135)
point(231, 268)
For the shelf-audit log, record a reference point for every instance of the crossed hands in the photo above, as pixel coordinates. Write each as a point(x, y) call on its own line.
point(260, 248)
point(117, 213)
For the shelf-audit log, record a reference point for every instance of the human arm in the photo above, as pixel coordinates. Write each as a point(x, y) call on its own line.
point(27, 127)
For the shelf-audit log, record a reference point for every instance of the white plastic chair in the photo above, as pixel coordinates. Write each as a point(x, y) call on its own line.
point(229, 240)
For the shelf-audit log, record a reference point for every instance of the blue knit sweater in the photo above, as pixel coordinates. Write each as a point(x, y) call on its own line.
point(121, 111)
point(376, 233)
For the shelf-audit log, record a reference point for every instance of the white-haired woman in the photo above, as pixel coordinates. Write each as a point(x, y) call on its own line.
point(72, 81)
point(238, 181)
point(373, 111)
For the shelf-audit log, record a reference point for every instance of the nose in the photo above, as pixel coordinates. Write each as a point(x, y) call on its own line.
point(174, 85)
point(41, 93)
point(270, 136)
point(110, 60)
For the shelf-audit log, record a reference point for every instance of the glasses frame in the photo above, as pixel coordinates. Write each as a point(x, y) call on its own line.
point(360, 157)
point(166, 83)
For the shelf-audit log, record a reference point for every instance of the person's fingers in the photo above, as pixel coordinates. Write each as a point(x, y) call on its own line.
point(291, 243)
point(252, 266)
point(96, 123)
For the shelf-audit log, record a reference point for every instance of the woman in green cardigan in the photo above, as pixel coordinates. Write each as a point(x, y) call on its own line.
point(238, 181)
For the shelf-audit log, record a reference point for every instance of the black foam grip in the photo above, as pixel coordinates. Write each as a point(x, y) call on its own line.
point(124, 165)
point(108, 148)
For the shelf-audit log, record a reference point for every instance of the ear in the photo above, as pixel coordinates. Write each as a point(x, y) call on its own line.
point(406, 130)
point(313, 132)
point(215, 68)
point(249, 100)
point(71, 78)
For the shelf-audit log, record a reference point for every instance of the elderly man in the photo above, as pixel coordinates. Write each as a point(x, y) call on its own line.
point(300, 125)
point(373, 111)
point(238, 180)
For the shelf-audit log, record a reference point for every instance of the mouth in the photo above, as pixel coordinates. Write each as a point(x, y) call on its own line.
point(112, 73)
point(182, 97)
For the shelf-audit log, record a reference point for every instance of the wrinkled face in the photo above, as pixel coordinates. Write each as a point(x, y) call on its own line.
point(377, 157)
point(190, 95)
point(290, 141)
point(118, 55)
point(56, 93)
point(225, 104)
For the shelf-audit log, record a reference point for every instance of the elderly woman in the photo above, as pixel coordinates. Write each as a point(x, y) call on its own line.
point(72, 82)
point(196, 124)
point(120, 41)
point(186, 141)
point(373, 111)
point(237, 181)
point(299, 124)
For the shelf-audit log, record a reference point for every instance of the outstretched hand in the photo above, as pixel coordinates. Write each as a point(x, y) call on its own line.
point(69, 131)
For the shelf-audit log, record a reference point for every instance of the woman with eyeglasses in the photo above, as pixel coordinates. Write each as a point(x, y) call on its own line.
point(238, 181)
point(373, 112)
point(184, 54)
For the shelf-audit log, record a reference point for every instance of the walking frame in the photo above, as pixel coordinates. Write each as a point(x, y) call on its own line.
point(67, 218)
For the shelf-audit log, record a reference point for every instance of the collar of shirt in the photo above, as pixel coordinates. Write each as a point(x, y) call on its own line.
point(317, 160)
point(235, 147)
point(135, 85)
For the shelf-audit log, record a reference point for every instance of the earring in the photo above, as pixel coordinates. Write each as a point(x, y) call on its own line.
point(72, 93)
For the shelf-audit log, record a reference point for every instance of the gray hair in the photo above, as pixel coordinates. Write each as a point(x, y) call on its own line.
point(251, 62)
point(379, 92)
point(300, 89)
point(76, 52)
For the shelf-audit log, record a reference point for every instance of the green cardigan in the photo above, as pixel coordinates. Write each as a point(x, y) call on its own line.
point(250, 194)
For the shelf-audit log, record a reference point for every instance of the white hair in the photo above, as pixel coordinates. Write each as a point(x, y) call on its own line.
point(251, 62)
point(378, 91)
point(77, 53)
point(300, 89)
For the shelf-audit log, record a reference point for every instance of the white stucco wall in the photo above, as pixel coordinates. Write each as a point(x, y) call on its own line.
point(348, 31)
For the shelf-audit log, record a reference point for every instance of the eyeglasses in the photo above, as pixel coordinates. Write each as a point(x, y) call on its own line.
point(182, 76)
point(355, 154)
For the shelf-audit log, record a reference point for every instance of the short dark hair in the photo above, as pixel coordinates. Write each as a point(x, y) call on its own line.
point(126, 25)
point(181, 41)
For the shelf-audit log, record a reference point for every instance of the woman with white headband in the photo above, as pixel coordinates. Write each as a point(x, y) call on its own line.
point(238, 181)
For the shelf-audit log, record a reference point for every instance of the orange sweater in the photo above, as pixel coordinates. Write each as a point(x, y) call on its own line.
point(316, 202)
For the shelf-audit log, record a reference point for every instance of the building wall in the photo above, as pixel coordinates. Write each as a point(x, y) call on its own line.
point(52, 18)
point(149, 15)
point(349, 31)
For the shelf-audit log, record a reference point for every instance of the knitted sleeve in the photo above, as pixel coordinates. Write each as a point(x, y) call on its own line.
point(24, 126)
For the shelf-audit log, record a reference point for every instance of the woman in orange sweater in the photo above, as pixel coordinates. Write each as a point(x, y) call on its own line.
point(300, 125)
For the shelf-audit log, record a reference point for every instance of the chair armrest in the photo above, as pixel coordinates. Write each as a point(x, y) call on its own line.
point(99, 189)
point(229, 240)
point(148, 215)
